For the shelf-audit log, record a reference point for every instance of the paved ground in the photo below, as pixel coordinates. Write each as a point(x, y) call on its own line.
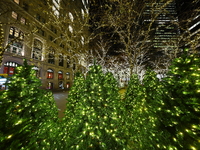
point(60, 99)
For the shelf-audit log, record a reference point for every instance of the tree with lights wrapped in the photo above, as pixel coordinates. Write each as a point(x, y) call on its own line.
point(28, 114)
point(1, 43)
point(143, 104)
point(182, 108)
point(94, 123)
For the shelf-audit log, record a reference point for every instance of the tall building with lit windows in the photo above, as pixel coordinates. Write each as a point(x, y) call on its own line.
point(165, 29)
point(43, 32)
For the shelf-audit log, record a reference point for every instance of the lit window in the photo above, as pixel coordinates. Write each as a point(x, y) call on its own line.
point(56, 7)
point(70, 29)
point(21, 35)
point(17, 45)
point(9, 68)
point(60, 75)
point(37, 74)
point(71, 16)
point(50, 74)
point(16, 1)
point(82, 40)
point(11, 31)
point(16, 34)
point(14, 15)
point(23, 20)
point(37, 50)
point(67, 75)
point(83, 13)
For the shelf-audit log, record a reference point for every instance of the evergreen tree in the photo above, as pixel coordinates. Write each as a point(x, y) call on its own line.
point(94, 123)
point(142, 111)
point(133, 93)
point(181, 117)
point(28, 114)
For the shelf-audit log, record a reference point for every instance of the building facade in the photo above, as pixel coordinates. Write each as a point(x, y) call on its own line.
point(44, 33)
point(165, 29)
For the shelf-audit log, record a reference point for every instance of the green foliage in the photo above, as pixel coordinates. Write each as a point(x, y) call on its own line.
point(94, 120)
point(153, 114)
point(28, 114)
point(143, 102)
point(182, 109)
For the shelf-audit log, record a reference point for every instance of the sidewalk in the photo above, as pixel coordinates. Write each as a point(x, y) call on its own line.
point(59, 90)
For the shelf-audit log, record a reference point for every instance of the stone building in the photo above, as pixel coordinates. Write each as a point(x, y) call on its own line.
point(47, 34)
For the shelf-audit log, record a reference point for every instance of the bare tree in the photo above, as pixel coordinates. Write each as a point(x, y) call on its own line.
point(1, 43)
point(67, 31)
point(134, 23)
point(6, 9)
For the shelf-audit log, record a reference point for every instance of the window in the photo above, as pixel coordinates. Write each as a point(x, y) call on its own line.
point(50, 85)
point(16, 1)
point(15, 46)
point(50, 74)
point(53, 29)
point(51, 58)
point(40, 18)
point(67, 75)
point(74, 64)
point(70, 29)
point(71, 17)
point(37, 74)
point(61, 60)
point(14, 15)
point(37, 49)
point(9, 68)
point(82, 13)
point(82, 40)
point(41, 32)
point(61, 86)
point(21, 35)
point(56, 7)
point(60, 75)
point(23, 20)
point(50, 38)
point(16, 33)
point(11, 31)
point(68, 62)
point(25, 6)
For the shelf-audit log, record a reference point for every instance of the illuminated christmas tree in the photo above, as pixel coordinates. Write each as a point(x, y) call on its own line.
point(182, 109)
point(143, 104)
point(94, 123)
point(28, 114)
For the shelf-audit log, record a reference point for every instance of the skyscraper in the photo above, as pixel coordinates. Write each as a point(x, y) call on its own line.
point(165, 29)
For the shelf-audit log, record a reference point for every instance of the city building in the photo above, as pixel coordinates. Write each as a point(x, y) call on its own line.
point(44, 32)
point(165, 31)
